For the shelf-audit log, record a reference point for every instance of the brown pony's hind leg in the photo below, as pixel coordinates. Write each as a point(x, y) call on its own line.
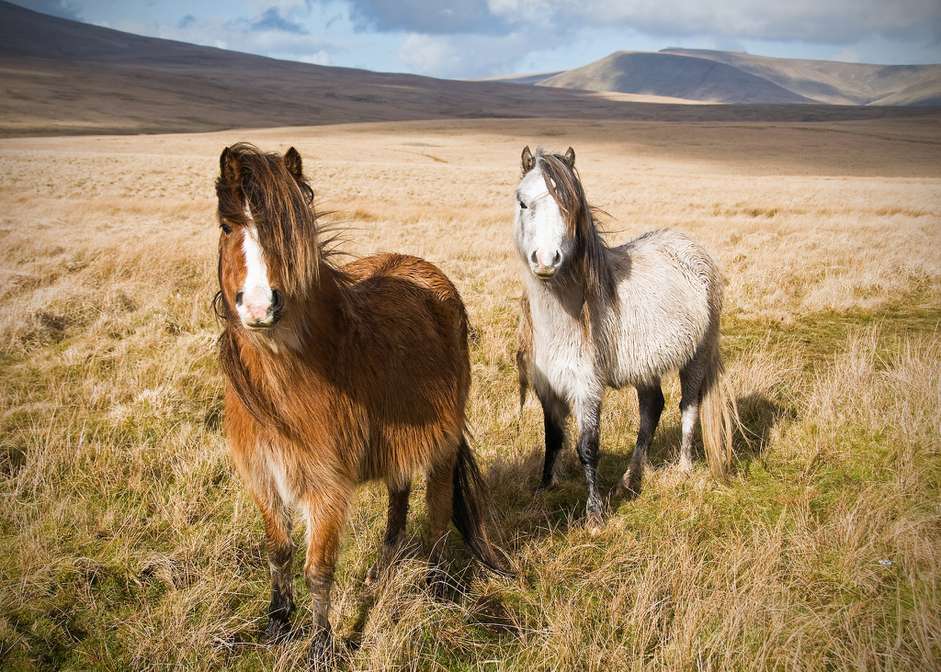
point(439, 499)
point(395, 526)
point(326, 515)
point(280, 555)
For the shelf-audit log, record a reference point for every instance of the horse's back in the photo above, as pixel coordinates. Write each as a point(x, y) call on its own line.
point(407, 268)
point(413, 284)
point(673, 259)
point(412, 327)
point(672, 248)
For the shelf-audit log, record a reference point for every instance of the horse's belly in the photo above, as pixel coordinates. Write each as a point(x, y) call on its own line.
point(642, 356)
point(567, 372)
point(403, 452)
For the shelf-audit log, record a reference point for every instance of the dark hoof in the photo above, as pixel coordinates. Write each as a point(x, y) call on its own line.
point(437, 581)
point(545, 486)
point(631, 484)
point(277, 630)
point(323, 653)
point(372, 576)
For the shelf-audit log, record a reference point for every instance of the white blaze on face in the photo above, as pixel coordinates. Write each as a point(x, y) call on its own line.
point(255, 306)
point(542, 236)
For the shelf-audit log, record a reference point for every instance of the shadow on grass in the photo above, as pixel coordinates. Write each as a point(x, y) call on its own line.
point(514, 482)
point(758, 415)
point(452, 584)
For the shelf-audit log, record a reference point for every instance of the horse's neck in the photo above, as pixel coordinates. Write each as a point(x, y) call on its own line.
point(556, 309)
point(567, 310)
point(309, 336)
point(324, 318)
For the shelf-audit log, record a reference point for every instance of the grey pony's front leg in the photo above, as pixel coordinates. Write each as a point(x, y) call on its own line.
point(650, 401)
point(588, 418)
point(553, 417)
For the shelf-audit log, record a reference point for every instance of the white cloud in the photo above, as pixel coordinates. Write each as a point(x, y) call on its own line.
point(489, 37)
point(847, 55)
point(464, 55)
point(322, 57)
point(829, 21)
point(239, 35)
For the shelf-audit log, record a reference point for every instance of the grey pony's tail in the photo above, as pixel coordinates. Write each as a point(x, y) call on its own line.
point(718, 415)
point(469, 513)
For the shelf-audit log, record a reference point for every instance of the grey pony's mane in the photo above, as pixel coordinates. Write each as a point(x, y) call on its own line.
point(591, 253)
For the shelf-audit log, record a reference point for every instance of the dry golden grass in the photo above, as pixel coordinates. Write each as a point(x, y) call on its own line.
point(129, 545)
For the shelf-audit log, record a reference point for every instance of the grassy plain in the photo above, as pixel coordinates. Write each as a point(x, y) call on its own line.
point(128, 543)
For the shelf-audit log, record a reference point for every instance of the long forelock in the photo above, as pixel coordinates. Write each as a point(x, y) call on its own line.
point(565, 186)
point(282, 212)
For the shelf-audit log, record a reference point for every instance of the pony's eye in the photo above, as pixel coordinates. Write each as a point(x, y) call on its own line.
point(226, 229)
point(523, 205)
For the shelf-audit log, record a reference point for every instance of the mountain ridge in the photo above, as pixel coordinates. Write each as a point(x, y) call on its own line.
point(729, 77)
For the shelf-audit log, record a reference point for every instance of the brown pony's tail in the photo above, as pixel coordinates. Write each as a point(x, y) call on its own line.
point(718, 415)
point(469, 511)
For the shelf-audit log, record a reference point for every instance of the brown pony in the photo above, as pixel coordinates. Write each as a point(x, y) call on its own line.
point(336, 376)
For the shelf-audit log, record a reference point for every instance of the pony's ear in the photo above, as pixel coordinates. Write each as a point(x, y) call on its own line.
point(569, 157)
point(292, 159)
point(229, 167)
point(527, 161)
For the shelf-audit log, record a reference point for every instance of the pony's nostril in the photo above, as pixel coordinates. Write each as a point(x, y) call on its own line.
point(238, 298)
point(276, 299)
point(533, 257)
point(556, 258)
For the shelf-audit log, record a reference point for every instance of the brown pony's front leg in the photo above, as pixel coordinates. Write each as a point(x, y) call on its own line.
point(326, 515)
point(280, 555)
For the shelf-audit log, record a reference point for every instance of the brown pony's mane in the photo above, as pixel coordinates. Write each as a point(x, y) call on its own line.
point(261, 191)
point(565, 185)
point(281, 209)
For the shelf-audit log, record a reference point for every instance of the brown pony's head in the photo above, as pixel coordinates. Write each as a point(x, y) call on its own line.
point(268, 252)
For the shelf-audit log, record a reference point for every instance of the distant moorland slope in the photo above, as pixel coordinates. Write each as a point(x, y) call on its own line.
point(64, 77)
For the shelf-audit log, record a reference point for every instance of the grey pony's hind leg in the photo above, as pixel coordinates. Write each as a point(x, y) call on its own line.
point(650, 402)
point(395, 526)
point(553, 416)
point(691, 379)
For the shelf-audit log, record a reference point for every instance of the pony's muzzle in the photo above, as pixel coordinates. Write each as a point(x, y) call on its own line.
point(258, 307)
point(544, 266)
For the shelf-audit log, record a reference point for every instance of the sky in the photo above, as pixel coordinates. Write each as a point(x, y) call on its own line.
point(473, 39)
